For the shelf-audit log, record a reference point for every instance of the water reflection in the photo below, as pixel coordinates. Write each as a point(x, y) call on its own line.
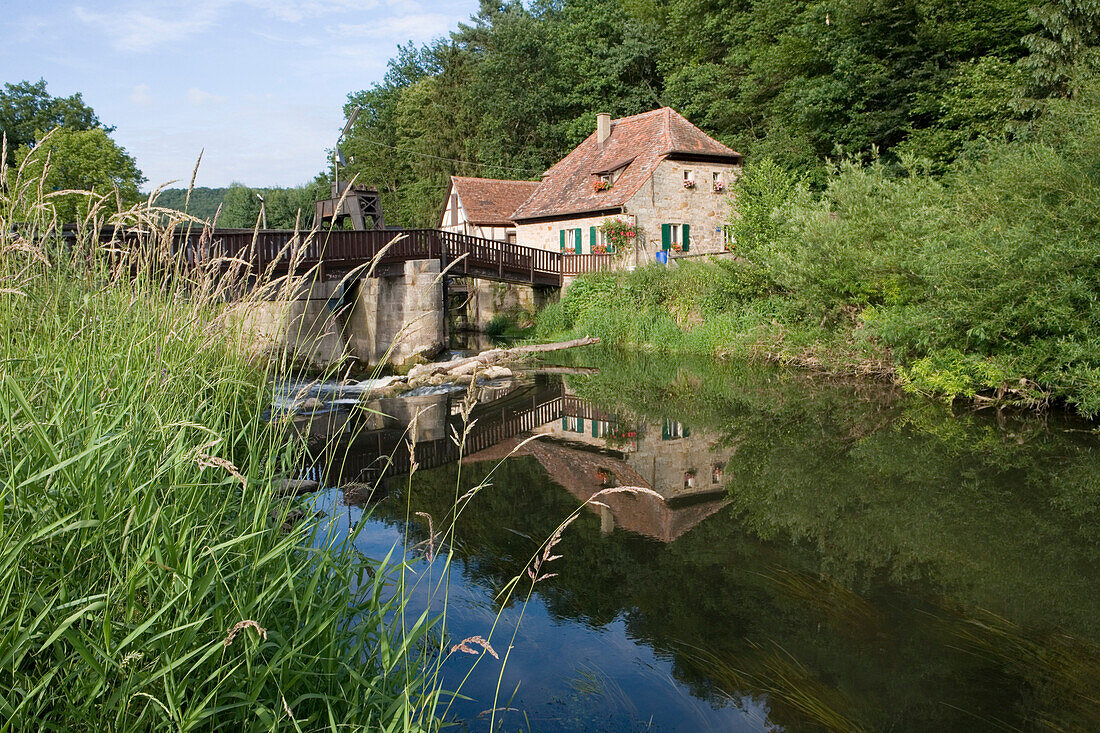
point(822, 557)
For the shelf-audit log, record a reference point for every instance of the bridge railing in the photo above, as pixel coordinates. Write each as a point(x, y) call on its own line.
point(276, 251)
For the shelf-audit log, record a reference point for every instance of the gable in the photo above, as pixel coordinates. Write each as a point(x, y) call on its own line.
point(637, 145)
point(487, 201)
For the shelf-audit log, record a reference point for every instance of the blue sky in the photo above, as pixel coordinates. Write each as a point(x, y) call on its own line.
point(260, 84)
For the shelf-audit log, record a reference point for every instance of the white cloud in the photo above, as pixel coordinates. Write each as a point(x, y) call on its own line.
point(140, 96)
point(198, 98)
point(414, 27)
point(139, 29)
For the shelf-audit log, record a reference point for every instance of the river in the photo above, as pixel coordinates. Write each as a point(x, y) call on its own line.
point(806, 554)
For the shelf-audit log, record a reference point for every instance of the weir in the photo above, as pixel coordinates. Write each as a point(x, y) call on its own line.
point(375, 295)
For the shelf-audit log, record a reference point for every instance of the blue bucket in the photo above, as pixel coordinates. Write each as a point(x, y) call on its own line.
point(662, 257)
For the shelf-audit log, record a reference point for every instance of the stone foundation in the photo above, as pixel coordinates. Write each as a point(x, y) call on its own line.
point(375, 320)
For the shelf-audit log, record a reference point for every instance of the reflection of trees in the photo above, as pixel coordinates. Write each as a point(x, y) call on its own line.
point(845, 581)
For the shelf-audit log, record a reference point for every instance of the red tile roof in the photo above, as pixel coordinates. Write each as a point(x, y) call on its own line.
point(490, 202)
point(640, 142)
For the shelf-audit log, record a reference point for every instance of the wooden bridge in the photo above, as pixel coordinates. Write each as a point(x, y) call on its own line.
point(339, 251)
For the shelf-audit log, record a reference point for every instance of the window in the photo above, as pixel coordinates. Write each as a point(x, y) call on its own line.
point(598, 241)
point(727, 236)
point(689, 176)
point(571, 241)
point(717, 473)
point(676, 237)
point(672, 430)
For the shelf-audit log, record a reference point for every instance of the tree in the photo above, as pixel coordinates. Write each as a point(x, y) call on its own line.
point(1065, 45)
point(81, 160)
point(27, 111)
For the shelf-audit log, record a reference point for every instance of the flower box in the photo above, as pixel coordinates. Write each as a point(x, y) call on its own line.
point(689, 184)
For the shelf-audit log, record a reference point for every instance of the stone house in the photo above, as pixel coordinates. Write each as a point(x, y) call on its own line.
point(482, 207)
point(655, 170)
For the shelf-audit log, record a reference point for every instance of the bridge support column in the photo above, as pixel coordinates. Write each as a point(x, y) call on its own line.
point(396, 319)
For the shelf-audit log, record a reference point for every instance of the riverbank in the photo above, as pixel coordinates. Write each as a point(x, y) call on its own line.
point(151, 577)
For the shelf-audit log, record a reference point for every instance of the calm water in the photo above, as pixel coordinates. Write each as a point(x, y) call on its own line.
point(821, 557)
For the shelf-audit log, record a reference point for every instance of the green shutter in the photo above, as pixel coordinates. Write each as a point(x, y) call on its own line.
point(565, 423)
point(595, 429)
point(577, 241)
point(562, 233)
point(591, 239)
point(666, 237)
point(684, 432)
point(580, 424)
point(687, 237)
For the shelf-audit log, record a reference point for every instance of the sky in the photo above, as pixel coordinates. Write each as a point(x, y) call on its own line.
point(258, 84)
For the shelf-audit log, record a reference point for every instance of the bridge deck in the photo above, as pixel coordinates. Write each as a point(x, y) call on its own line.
point(337, 252)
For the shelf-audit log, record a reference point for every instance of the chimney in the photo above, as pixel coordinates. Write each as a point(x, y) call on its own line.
point(603, 127)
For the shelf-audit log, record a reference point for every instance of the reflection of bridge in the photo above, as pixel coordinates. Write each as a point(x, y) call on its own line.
point(340, 251)
point(374, 453)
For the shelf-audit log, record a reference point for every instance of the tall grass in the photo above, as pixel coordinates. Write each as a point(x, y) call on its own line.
point(146, 582)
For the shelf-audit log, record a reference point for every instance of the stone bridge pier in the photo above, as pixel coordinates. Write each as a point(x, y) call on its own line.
point(390, 319)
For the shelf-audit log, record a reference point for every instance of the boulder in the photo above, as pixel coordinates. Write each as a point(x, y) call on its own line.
point(310, 404)
point(497, 372)
point(294, 486)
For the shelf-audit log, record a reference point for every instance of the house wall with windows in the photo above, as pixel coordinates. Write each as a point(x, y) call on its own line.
point(563, 235)
point(668, 213)
point(665, 212)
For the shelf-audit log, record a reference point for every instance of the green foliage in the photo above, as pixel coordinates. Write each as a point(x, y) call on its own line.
point(1063, 47)
point(80, 160)
point(27, 112)
point(982, 280)
point(283, 208)
point(757, 200)
point(148, 581)
point(203, 204)
point(796, 81)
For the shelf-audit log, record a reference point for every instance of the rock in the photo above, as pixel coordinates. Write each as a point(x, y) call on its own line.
point(294, 486)
point(311, 404)
point(464, 369)
point(497, 372)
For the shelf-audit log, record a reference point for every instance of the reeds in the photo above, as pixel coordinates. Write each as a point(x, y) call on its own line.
point(144, 584)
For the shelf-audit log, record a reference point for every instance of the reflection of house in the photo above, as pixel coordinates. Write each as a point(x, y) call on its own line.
point(668, 457)
point(482, 207)
point(586, 450)
point(655, 170)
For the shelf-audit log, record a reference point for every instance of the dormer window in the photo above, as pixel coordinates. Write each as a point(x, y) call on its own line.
point(689, 180)
point(718, 185)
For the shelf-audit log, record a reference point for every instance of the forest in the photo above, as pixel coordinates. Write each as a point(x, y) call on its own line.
point(800, 83)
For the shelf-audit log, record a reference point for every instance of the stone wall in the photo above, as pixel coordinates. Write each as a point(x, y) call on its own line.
point(664, 200)
point(378, 319)
point(545, 235)
point(486, 299)
point(306, 326)
point(395, 319)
